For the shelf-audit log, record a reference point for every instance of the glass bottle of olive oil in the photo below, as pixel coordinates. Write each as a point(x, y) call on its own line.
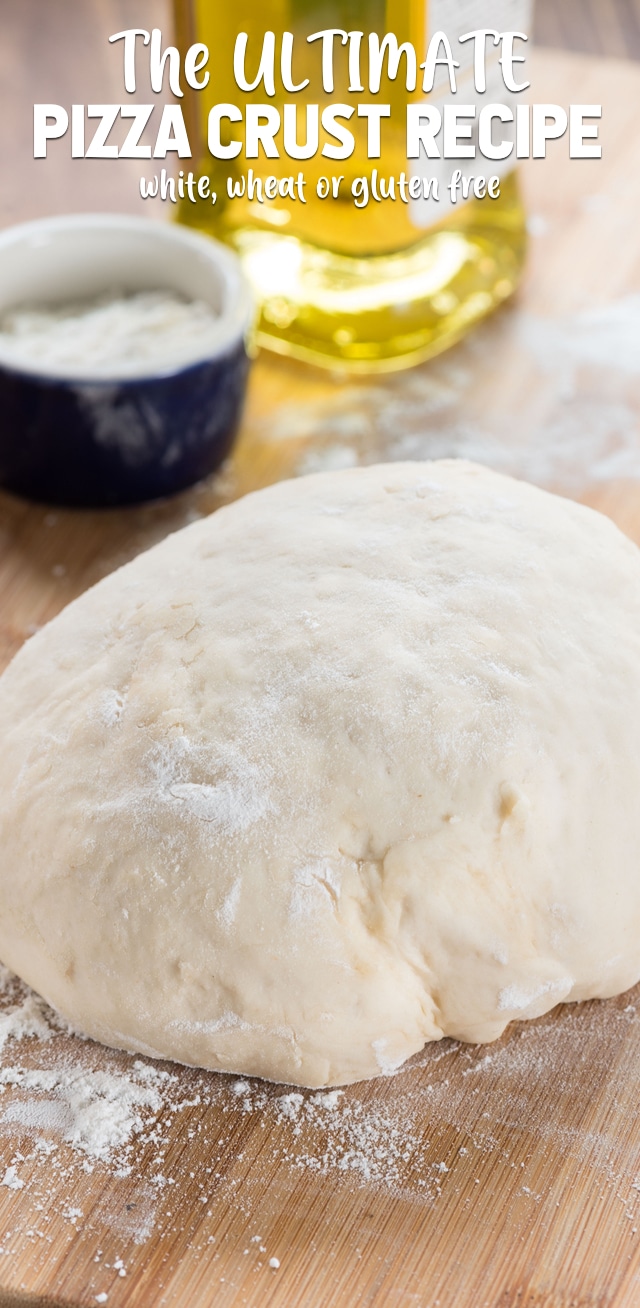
point(366, 286)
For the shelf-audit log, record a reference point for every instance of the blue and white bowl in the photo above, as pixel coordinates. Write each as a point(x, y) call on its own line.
point(104, 440)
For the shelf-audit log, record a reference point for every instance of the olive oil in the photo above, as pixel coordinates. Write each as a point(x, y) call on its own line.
point(362, 286)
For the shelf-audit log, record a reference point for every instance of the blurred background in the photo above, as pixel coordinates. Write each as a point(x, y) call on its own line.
point(603, 27)
point(57, 50)
point(548, 389)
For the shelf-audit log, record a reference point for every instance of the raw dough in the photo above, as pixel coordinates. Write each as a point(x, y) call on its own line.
point(351, 765)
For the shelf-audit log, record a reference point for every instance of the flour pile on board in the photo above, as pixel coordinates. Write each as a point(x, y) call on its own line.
point(101, 1113)
point(168, 1146)
point(97, 1112)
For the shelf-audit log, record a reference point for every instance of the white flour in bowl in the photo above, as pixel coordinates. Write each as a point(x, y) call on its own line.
point(110, 335)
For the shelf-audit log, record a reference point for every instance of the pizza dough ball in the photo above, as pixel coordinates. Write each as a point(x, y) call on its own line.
point(350, 765)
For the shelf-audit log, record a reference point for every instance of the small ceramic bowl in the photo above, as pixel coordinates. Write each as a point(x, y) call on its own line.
point(104, 440)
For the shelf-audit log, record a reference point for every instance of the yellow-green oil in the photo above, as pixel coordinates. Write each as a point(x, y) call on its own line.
point(357, 288)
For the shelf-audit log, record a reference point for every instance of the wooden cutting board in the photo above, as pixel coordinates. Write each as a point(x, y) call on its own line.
point(501, 1175)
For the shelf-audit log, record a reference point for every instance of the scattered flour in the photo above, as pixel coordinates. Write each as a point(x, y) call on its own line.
point(378, 1134)
point(25, 1019)
point(518, 998)
point(229, 908)
point(168, 1145)
point(96, 1112)
point(229, 806)
point(11, 1179)
point(111, 708)
point(578, 427)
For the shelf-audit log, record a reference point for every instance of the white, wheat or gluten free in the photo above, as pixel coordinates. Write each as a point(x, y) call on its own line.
point(372, 779)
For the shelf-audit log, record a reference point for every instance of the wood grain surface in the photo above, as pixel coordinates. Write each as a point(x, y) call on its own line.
point(506, 1176)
